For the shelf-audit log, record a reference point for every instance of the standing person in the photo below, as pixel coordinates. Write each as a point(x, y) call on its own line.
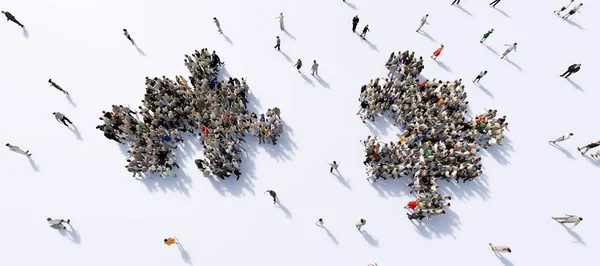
point(17, 149)
point(423, 22)
point(486, 35)
point(364, 32)
point(586, 148)
point(333, 165)
point(170, 241)
point(360, 224)
point(494, 3)
point(218, 24)
point(298, 65)
point(10, 17)
point(481, 75)
point(58, 223)
point(278, 45)
point(574, 68)
point(273, 195)
point(355, 21)
point(510, 48)
point(126, 33)
point(437, 52)
point(319, 222)
point(502, 249)
point(57, 87)
point(456, 2)
point(564, 7)
point(315, 68)
point(569, 219)
point(562, 138)
point(280, 21)
point(575, 9)
point(62, 118)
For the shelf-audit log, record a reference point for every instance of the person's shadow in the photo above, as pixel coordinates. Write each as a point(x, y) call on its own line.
point(75, 131)
point(574, 84)
point(464, 10)
point(285, 56)
point(491, 49)
point(341, 179)
point(502, 259)
point(371, 45)
point(573, 23)
point(563, 150)
point(369, 238)
point(443, 66)
point(71, 234)
point(350, 5)
point(329, 234)
point(228, 40)
point(486, 91)
point(574, 235)
point(184, 254)
point(289, 34)
point(139, 50)
point(33, 164)
point(427, 35)
point(25, 33)
point(285, 210)
point(307, 79)
point(514, 64)
point(322, 82)
point(71, 100)
point(502, 12)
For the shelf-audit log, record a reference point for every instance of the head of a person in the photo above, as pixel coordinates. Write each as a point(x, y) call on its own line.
point(492, 29)
point(48, 219)
point(515, 43)
point(7, 144)
point(54, 113)
point(485, 72)
point(125, 30)
point(50, 80)
point(570, 134)
point(334, 162)
point(215, 18)
point(166, 240)
point(509, 250)
point(580, 218)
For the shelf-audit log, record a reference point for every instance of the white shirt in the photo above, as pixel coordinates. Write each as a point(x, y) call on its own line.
point(566, 136)
point(482, 74)
point(576, 8)
point(511, 47)
point(424, 20)
point(334, 166)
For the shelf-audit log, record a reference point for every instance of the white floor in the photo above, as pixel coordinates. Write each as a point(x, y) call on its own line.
point(118, 220)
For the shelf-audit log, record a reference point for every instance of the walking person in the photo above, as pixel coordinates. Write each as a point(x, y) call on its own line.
point(298, 65)
point(57, 87)
point(502, 249)
point(218, 24)
point(280, 18)
point(574, 68)
point(423, 22)
point(58, 223)
point(62, 118)
point(481, 75)
point(569, 219)
point(561, 138)
point(573, 11)
point(273, 195)
point(437, 52)
point(333, 165)
point(126, 33)
point(315, 68)
point(360, 224)
point(10, 17)
point(364, 32)
point(456, 2)
point(355, 21)
point(278, 45)
point(586, 148)
point(563, 8)
point(494, 3)
point(170, 241)
point(510, 48)
point(486, 35)
point(17, 149)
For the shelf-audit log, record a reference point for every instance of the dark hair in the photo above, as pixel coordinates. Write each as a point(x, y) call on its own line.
point(124, 29)
point(580, 218)
point(509, 250)
point(7, 144)
point(49, 80)
point(166, 240)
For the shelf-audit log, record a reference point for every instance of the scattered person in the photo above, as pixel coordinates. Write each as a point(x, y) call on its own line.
point(502, 249)
point(364, 32)
point(319, 222)
point(494, 3)
point(333, 165)
point(510, 48)
point(481, 75)
point(10, 17)
point(586, 148)
point(563, 8)
point(355, 21)
point(562, 138)
point(574, 68)
point(315, 68)
point(126, 33)
point(278, 45)
point(17, 149)
point(58, 223)
point(280, 18)
point(218, 24)
point(62, 118)
point(273, 195)
point(360, 224)
point(437, 52)
point(53, 84)
point(486, 35)
point(298, 65)
point(423, 22)
point(170, 241)
point(455, 2)
point(569, 219)
point(573, 11)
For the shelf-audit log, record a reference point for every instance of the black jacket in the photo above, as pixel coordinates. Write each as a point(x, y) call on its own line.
point(9, 16)
point(574, 68)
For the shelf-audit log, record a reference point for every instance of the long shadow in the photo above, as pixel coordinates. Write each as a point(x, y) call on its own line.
point(499, 153)
point(391, 188)
point(307, 79)
point(439, 226)
point(575, 85)
point(321, 81)
point(464, 10)
point(381, 125)
point(140, 51)
point(486, 91)
point(502, 12)
point(593, 161)
point(71, 100)
point(155, 182)
point(184, 254)
point(350, 5)
point(575, 235)
point(75, 131)
point(514, 64)
point(289, 34)
point(491, 49)
point(330, 235)
point(369, 238)
point(563, 150)
point(443, 66)
point(502, 259)
point(371, 45)
point(478, 188)
point(285, 210)
point(33, 164)
point(341, 179)
point(427, 35)
point(573, 23)
point(284, 149)
point(285, 56)
point(25, 33)
point(228, 40)
point(72, 235)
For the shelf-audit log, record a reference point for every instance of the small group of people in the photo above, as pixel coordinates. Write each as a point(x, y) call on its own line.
point(174, 109)
point(438, 142)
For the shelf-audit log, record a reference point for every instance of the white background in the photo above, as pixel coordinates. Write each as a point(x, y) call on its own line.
point(118, 220)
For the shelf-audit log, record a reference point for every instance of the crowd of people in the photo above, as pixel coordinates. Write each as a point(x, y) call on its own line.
point(438, 141)
point(172, 110)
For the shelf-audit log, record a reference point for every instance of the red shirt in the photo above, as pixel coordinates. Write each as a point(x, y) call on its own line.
point(412, 204)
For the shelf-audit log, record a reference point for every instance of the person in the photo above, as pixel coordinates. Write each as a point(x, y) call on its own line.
point(333, 165)
point(170, 241)
point(437, 52)
point(411, 205)
point(126, 33)
point(315, 68)
point(486, 35)
point(218, 24)
point(273, 195)
point(481, 75)
point(319, 222)
point(62, 118)
point(278, 45)
point(561, 138)
point(574, 68)
point(10, 17)
point(575, 9)
point(456, 2)
point(360, 224)
point(53, 84)
point(355, 21)
point(280, 18)
point(563, 8)
point(298, 65)
point(17, 149)
point(423, 22)
point(586, 148)
point(502, 249)
point(510, 48)
point(569, 219)
point(364, 32)
point(494, 3)
point(372, 264)
point(58, 223)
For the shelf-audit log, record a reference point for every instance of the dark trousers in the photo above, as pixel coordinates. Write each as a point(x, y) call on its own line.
point(278, 47)
point(65, 120)
point(456, 2)
point(566, 74)
point(494, 3)
point(354, 27)
point(16, 21)
point(331, 170)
